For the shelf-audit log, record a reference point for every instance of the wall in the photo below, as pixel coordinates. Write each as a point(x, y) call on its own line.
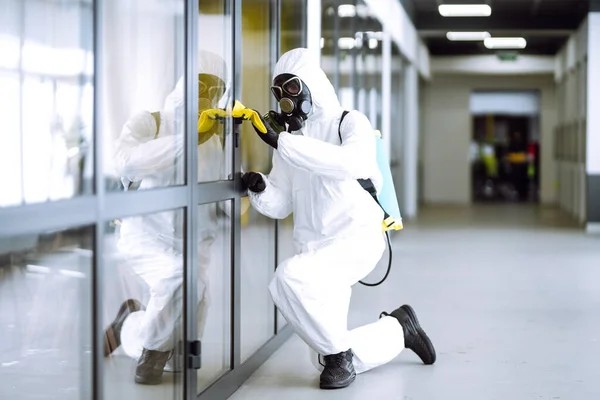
point(593, 124)
point(398, 24)
point(513, 103)
point(447, 133)
point(490, 64)
point(571, 75)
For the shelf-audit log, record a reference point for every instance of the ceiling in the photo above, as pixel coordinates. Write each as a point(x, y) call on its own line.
point(545, 24)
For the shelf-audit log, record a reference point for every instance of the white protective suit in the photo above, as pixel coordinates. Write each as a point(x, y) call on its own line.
point(153, 244)
point(337, 225)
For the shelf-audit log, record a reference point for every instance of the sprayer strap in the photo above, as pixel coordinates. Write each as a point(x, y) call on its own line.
point(388, 221)
point(340, 125)
point(366, 184)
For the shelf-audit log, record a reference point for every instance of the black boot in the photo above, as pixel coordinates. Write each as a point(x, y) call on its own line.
point(415, 337)
point(150, 367)
point(112, 334)
point(339, 371)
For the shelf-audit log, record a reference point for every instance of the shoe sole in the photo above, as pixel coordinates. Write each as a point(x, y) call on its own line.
point(417, 327)
point(339, 385)
point(112, 339)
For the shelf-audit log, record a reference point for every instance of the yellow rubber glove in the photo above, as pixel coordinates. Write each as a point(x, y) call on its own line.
point(208, 117)
point(240, 111)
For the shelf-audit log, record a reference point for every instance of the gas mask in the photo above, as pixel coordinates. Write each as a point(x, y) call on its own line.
point(210, 91)
point(294, 99)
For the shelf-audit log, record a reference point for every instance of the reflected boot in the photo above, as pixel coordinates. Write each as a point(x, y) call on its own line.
point(415, 337)
point(112, 334)
point(150, 367)
point(339, 371)
point(175, 362)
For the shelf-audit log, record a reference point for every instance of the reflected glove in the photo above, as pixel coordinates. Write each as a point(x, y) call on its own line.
point(254, 182)
point(270, 137)
point(208, 117)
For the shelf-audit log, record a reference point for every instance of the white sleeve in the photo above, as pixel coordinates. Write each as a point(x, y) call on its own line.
point(139, 151)
point(276, 200)
point(352, 160)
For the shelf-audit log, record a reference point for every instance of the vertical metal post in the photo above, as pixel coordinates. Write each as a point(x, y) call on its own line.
point(275, 41)
point(313, 27)
point(190, 287)
point(275, 29)
point(236, 291)
point(336, 48)
point(386, 90)
point(354, 72)
point(304, 13)
point(86, 287)
point(99, 189)
point(411, 140)
point(21, 102)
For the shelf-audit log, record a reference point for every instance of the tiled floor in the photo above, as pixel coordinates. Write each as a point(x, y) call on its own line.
point(510, 296)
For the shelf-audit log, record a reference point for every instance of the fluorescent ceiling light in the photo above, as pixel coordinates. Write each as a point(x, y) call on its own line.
point(465, 10)
point(346, 43)
point(465, 36)
point(373, 43)
point(351, 11)
point(375, 35)
point(347, 11)
point(322, 42)
point(505, 43)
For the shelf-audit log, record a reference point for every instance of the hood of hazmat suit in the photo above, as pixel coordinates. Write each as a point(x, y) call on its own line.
point(314, 175)
point(150, 151)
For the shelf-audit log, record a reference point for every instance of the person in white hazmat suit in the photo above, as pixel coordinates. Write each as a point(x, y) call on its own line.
point(149, 154)
point(337, 225)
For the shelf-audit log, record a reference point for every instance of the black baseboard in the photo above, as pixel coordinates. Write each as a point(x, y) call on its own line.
point(593, 198)
point(231, 381)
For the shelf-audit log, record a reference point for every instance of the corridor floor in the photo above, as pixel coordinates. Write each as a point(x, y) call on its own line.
point(510, 296)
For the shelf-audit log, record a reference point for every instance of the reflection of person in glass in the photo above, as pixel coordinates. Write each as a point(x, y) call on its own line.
point(149, 154)
point(337, 224)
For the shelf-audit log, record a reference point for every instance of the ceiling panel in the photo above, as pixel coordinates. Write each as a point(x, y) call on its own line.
point(546, 24)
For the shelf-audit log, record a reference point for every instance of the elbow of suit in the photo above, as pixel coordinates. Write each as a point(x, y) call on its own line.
point(268, 209)
point(356, 166)
point(120, 162)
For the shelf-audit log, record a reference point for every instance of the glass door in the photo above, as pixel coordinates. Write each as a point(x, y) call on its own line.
point(257, 231)
point(211, 279)
point(128, 265)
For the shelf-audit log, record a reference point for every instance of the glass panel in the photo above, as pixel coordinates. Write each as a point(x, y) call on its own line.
point(142, 310)
point(330, 32)
point(293, 24)
point(142, 105)
point(46, 74)
point(46, 315)
point(214, 290)
point(215, 52)
point(258, 232)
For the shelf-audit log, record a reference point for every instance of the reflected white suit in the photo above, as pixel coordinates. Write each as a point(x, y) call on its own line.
point(153, 244)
